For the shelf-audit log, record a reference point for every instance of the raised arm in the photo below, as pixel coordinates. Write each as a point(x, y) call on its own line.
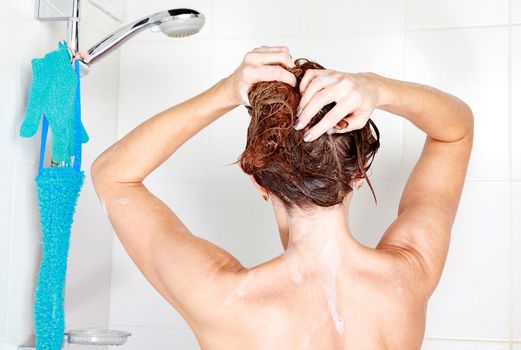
point(429, 203)
point(187, 270)
point(430, 200)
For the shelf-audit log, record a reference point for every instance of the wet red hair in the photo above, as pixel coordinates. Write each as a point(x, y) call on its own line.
point(300, 173)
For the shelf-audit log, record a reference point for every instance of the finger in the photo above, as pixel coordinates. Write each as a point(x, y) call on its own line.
point(317, 102)
point(317, 83)
point(356, 121)
point(270, 73)
point(261, 58)
point(331, 118)
point(307, 77)
point(265, 48)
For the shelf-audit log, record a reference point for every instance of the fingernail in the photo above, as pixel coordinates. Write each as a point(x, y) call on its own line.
point(298, 125)
point(308, 137)
point(331, 131)
point(299, 110)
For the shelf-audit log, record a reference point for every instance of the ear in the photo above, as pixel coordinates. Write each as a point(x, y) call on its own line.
point(263, 191)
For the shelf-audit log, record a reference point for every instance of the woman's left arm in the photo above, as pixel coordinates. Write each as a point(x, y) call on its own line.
point(187, 270)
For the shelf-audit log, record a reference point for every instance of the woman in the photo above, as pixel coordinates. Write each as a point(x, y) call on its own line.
point(326, 291)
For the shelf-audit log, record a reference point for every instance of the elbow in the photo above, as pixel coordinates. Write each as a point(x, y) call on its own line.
point(99, 174)
point(469, 119)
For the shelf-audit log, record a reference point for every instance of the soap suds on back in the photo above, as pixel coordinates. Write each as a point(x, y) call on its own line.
point(331, 260)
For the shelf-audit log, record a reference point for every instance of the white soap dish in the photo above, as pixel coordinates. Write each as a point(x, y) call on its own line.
point(97, 337)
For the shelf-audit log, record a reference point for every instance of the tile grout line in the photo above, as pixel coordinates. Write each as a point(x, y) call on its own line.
point(510, 187)
point(205, 182)
point(476, 340)
point(116, 133)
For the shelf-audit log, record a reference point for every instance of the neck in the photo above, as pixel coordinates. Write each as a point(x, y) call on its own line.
point(311, 236)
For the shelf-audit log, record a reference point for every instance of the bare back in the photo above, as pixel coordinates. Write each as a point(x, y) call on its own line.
point(375, 305)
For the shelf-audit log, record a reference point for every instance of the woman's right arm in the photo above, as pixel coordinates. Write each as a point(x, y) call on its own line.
point(428, 206)
point(430, 200)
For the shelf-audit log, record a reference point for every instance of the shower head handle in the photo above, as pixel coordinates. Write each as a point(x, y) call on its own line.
point(192, 19)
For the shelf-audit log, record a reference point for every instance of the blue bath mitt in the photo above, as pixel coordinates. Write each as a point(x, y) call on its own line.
point(53, 93)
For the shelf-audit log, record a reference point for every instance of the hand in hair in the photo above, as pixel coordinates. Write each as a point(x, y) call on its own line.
point(260, 64)
point(356, 96)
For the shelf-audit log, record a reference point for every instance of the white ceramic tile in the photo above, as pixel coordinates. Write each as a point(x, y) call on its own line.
point(135, 10)
point(186, 199)
point(159, 338)
point(37, 39)
point(516, 260)
point(516, 11)
point(472, 65)
point(341, 17)
point(10, 38)
point(94, 17)
point(6, 186)
point(26, 253)
point(134, 301)
point(462, 345)
point(241, 222)
point(466, 304)
point(87, 292)
point(442, 13)
point(236, 18)
point(516, 346)
point(369, 220)
point(516, 103)
point(155, 77)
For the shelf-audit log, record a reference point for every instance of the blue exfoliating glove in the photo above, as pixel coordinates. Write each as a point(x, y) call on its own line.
point(53, 92)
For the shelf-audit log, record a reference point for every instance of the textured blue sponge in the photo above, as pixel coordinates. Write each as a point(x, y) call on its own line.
point(58, 191)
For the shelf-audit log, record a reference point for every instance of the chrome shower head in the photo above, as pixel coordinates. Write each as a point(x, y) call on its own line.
point(175, 23)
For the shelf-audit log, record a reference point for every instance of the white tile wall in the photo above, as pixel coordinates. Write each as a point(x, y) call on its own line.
point(516, 11)
point(429, 344)
point(473, 65)
point(516, 260)
point(330, 16)
point(441, 13)
point(6, 181)
point(9, 72)
point(467, 303)
point(516, 103)
point(158, 78)
point(237, 18)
